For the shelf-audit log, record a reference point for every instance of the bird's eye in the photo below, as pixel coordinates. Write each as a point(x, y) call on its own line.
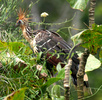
point(20, 22)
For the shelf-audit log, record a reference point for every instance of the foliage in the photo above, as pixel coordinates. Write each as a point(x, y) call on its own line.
point(17, 95)
point(92, 62)
point(91, 39)
point(78, 4)
point(18, 63)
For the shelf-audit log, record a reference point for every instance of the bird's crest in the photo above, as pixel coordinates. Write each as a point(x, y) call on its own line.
point(22, 14)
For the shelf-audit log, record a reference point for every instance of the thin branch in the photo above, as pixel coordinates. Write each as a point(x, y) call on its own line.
point(91, 13)
point(80, 74)
point(67, 79)
point(83, 60)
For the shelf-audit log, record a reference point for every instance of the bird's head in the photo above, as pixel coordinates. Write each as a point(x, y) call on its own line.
point(22, 21)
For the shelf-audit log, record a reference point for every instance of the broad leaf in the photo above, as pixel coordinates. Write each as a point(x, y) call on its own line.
point(3, 46)
point(58, 67)
point(55, 91)
point(92, 63)
point(78, 4)
point(17, 95)
point(76, 38)
point(49, 82)
point(91, 39)
point(61, 74)
point(16, 47)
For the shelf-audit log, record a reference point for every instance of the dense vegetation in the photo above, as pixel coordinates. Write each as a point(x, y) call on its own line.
point(18, 64)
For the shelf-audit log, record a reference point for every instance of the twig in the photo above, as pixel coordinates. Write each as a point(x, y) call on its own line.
point(67, 79)
point(81, 71)
point(91, 13)
point(80, 74)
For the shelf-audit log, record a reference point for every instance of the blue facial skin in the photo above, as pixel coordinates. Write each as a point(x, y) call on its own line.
point(20, 22)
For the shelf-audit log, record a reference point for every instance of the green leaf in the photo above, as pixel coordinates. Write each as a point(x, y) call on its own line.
point(17, 95)
point(3, 46)
point(76, 38)
point(78, 4)
point(16, 47)
point(19, 47)
point(56, 91)
point(61, 74)
point(91, 39)
point(58, 67)
point(38, 58)
point(49, 82)
point(61, 98)
point(92, 63)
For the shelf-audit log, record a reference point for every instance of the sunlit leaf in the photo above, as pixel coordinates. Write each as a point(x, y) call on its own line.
point(78, 4)
point(3, 46)
point(58, 67)
point(16, 47)
point(19, 47)
point(92, 63)
point(17, 95)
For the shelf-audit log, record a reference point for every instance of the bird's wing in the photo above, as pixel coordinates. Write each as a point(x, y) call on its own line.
point(52, 42)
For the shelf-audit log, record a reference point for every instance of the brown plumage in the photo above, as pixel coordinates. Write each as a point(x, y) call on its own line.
point(48, 42)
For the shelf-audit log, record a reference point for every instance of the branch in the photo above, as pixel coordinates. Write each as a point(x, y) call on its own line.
point(80, 74)
point(91, 13)
point(67, 79)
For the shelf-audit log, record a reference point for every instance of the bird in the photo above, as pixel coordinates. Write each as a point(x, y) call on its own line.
point(53, 46)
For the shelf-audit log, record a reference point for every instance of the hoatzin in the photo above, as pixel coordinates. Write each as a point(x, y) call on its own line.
point(48, 42)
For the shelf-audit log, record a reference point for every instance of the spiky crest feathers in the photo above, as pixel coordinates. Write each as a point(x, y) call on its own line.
point(22, 14)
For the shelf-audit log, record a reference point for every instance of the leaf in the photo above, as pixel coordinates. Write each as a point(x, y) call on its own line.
point(61, 74)
point(76, 38)
point(61, 98)
point(78, 4)
point(92, 63)
point(91, 39)
point(49, 82)
point(16, 47)
point(56, 90)
point(17, 95)
point(58, 67)
point(3, 46)
point(38, 58)
point(19, 47)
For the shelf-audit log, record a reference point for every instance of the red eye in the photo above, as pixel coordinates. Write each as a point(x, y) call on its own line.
point(19, 21)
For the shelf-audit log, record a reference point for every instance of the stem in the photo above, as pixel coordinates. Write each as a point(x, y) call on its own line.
point(67, 79)
point(91, 13)
point(80, 74)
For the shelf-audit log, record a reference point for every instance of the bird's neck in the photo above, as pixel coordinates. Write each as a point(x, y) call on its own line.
point(27, 33)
